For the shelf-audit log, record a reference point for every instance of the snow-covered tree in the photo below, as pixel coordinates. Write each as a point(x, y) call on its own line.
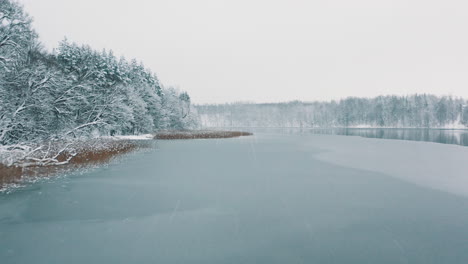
point(383, 111)
point(76, 91)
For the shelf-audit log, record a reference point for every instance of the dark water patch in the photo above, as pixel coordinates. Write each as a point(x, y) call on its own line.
point(443, 136)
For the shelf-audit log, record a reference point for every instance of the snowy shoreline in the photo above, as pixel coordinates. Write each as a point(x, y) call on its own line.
point(18, 162)
point(48, 159)
point(199, 134)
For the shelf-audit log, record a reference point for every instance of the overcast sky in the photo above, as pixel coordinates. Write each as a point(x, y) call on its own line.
point(267, 51)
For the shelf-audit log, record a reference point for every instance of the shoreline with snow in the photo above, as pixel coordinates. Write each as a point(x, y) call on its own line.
point(41, 161)
point(22, 162)
point(199, 134)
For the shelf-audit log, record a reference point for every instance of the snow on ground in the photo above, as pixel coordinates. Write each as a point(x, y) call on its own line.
point(437, 166)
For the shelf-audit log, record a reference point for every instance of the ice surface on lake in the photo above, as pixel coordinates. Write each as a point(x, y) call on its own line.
point(438, 166)
point(270, 198)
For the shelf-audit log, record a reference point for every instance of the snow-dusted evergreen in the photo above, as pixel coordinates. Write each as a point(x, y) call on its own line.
point(76, 91)
point(415, 111)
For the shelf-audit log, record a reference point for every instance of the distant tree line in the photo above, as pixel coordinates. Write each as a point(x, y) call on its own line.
point(419, 111)
point(75, 90)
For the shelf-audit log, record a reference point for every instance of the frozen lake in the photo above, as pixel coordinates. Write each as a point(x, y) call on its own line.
point(271, 198)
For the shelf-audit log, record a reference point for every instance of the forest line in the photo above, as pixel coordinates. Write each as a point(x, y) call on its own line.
point(412, 111)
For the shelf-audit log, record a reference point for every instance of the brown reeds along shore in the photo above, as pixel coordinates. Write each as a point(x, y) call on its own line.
point(93, 152)
point(195, 134)
point(86, 153)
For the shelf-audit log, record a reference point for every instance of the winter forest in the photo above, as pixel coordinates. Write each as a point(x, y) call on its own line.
point(416, 111)
point(76, 91)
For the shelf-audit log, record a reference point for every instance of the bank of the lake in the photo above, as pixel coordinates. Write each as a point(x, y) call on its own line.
point(54, 157)
point(199, 134)
point(78, 154)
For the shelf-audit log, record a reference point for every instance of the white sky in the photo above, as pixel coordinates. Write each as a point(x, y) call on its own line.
point(267, 50)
